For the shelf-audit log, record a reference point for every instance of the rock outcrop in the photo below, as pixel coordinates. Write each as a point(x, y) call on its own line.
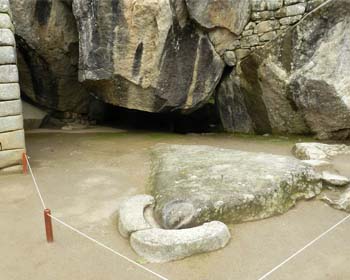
point(196, 184)
point(145, 55)
point(299, 83)
point(12, 144)
point(47, 43)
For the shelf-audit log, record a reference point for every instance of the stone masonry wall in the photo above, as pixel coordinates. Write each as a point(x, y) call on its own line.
point(268, 19)
point(12, 143)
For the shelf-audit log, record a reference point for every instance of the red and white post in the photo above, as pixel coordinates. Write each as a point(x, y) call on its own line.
point(24, 164)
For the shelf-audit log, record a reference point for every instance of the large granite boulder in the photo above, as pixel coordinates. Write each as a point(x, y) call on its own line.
point(300, 82)
point(145, 55)
point(47, 43)
point(196, 184)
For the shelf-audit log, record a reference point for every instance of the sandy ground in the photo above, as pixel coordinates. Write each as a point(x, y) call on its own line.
point(84, 177)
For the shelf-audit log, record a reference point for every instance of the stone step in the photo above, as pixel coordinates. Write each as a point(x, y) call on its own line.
point(12, 140)
point(10, 108)
point(7, 38)
point(11, 158)
point(9, 91)
point(8, 74)
point(11, 123)
point(7, 55)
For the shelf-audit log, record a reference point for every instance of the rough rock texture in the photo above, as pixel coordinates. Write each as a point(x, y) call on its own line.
point(230, 14)
point(296, 83)
point(145, 55)
point(226, 185)
point(131, 214)
point(341, 202)
point(159, 245)
point(334, 179)
point(47, 42)
point(319, 151)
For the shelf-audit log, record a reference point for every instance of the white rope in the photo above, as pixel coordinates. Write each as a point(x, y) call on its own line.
point(35, 183)
point(85, 235)
point(304, 248)
point(106, 247)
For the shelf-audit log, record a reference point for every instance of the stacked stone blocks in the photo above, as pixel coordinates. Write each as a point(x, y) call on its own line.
point(12, 144)
point(269, 18)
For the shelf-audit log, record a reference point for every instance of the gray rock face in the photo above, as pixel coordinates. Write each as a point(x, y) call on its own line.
point(131, 214)
point(319, 151)
point(159, 245)
point(47, 42)
point(300, 83)
point(334, 179)
point(226, 185)
point(230, 14)
point(341, 202)
point(145, 55)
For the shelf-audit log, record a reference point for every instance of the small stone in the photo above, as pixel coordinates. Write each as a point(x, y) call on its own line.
point(294, 10)
point(11, 123)
point(249, 41)
point(273, 5)
point(230, 58)
point(241, 53)
point(291, 2)
point(258, 5)
point(262, 15)
point(8, 74)
point(5, 22)
point(10, 108)
point(268, 36)
point(266, 26)
point(290, 20)
point(7, 38)
point(9, 91)
point(334, 179)
point(160, 245)
point(250, 25)
point(247, 33)
point(131, 214)
point(318, 151)
point(7, 55)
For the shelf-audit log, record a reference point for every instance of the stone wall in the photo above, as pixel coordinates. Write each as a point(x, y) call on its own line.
point(268, 19)
point(12, 143)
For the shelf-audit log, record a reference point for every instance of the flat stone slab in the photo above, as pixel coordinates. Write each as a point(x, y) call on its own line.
point(319, 165)
point(12, 140)
point(160, 245)
point(5, 21)
point(334, 179)
point(131, 214)
point(9, 91)
point(11, 123)
point(197, 184)
point(7, 55)
point(7, 38)
point(10, 108)
point(318, 151)
point(11, 158)
point(8, 73)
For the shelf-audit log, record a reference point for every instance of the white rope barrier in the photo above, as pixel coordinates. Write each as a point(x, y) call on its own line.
point(304, 248)
point(85, 235)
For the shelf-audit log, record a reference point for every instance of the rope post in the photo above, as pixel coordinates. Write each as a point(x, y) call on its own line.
point(24, 164)
point(48, 225)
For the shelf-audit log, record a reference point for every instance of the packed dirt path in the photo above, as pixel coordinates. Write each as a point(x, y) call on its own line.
point(85, 176)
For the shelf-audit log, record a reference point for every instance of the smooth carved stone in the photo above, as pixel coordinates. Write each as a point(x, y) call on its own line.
point(8, 74)
point(10, 108)
point(160, 245)
point(5, 22)
point(11, 157)
point(12, 140)
point(6, 37)
point(227, 185)
point(4, 6)
point(131, 214)
point(11, 123)
point(11, 170)
point(230, 14)
point(7, 55)
point(334, 179)
point(319, 151)
point(9, 91)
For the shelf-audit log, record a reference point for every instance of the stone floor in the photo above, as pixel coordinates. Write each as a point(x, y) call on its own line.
point(84, 177)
